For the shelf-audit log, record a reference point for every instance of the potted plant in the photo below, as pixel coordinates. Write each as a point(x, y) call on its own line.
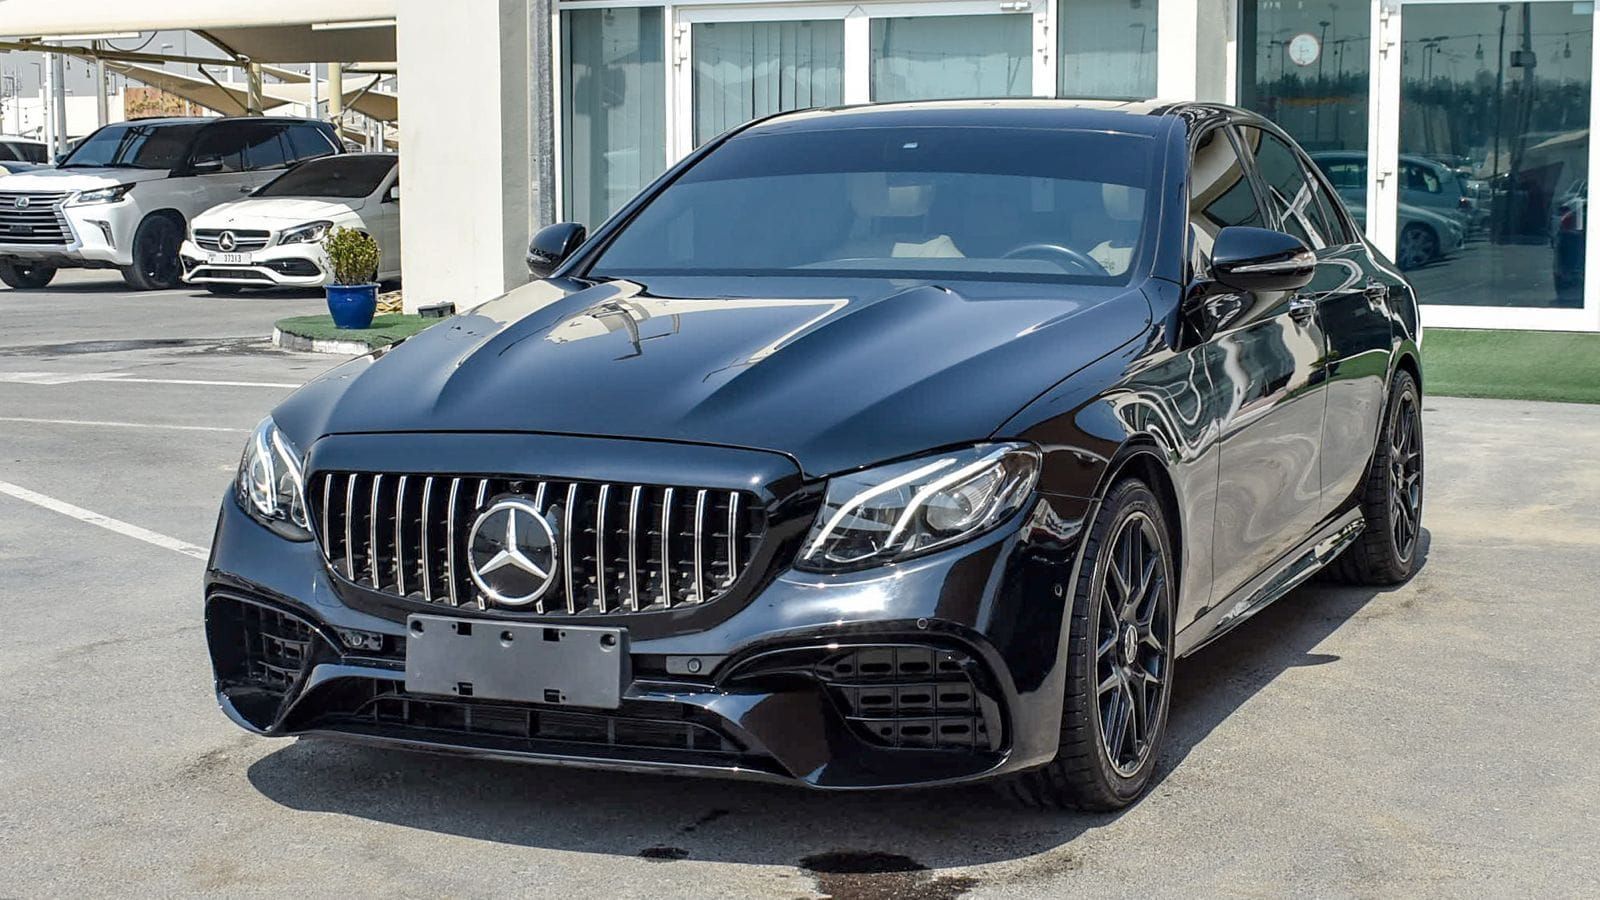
point(353, 296)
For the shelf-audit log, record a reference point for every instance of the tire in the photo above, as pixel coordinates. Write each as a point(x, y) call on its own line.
point(155, 255)
point(1418, 246)
point(1086, 773)
point(1391, 496)
point(26, 277)
point(224, 290)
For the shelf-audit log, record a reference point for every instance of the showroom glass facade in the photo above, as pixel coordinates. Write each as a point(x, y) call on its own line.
point(639, 86)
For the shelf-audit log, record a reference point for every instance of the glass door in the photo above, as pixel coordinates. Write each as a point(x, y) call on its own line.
point(736, 63)
point(1480, 171)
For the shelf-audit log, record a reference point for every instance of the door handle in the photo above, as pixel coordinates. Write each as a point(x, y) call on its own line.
point(1376, 289)
point(1302, 308)
point(244, 188)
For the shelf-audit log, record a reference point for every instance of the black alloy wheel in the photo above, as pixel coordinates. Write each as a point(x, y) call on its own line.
point(1391, 497)
point(1405, 476)
point(1120, 661)
point(26, 276)
point(1133, 645)
point(155, 255)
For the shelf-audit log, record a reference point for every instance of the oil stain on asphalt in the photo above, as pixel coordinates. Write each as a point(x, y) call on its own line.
point(871, 875)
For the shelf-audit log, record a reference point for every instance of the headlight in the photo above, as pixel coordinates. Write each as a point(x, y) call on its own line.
point(102, 195)
point(270, 486)
point(309, 233)
point(905, 509)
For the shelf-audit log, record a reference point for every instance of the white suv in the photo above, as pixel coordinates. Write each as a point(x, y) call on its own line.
point(123, 199)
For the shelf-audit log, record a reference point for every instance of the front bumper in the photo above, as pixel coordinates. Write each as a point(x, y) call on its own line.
point(290, 265)
point(947, 669)
point(98, 236)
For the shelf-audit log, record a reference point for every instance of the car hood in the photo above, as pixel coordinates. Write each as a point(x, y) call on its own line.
point(76, 179)
point(836, 374)
point(275, 211)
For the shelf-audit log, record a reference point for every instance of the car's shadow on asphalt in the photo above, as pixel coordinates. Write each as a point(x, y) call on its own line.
point(659, 817)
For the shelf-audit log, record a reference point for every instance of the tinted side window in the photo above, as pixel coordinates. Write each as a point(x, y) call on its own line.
point(10, 151)
point(1345, 175)
point(1220, 195)
point(1328, 213)
point(264, 148)
point(1288, 192)
point(1420, 178)
point(224, 142)
point(308, 142)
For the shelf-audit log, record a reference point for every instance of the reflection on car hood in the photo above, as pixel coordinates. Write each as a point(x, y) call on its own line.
point(271, 212)
point(836, 373)
point(76, 179)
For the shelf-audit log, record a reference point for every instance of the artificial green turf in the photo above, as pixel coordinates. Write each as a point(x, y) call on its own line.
point(1512, 365)
point(385, 330)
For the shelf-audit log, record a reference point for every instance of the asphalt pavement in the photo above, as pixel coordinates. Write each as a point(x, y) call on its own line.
point(1436, 739)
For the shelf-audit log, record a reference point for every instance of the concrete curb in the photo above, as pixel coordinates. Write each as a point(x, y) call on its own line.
point(288, 341)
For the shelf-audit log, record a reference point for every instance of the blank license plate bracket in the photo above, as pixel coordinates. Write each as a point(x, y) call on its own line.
point(526, 662)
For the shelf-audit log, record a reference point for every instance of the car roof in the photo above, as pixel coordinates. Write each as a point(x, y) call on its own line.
point(1147, 117)
point(209, 120)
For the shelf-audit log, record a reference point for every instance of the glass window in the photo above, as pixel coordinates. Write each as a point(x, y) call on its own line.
point(133, 146)
point(1220, 195)
point(1107, 48)
point(1288, 191)
point(1494, 152)
point(224, 143)
point(308, 142)
point(745, 70)
point(613, 108)
point(933, 57)
point(346, 175)
point(1304, 65)
point(989, 203)
point(265, 147)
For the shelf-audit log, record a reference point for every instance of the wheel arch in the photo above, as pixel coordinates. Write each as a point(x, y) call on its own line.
point(1141, 457)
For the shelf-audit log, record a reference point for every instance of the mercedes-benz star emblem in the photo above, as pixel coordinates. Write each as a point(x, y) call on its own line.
point(225, 241)
point(511, 552)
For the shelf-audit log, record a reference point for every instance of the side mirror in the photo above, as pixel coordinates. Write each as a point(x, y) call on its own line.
point(206, 165)
point(1260, 259)
point(551, 246)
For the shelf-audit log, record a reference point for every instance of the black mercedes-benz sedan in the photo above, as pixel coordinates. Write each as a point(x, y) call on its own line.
point(870, 447)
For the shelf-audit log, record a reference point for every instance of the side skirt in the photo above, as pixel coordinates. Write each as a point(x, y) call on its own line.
point(1291, 571)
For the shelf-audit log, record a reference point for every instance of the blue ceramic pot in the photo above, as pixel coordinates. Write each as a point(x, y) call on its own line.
point(352, 305)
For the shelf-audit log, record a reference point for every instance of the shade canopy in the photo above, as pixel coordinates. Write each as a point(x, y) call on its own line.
point(283, 31)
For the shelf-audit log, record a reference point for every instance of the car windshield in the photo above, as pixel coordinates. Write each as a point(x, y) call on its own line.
point(1001, 203)
point(331, 176)
point(131, 145)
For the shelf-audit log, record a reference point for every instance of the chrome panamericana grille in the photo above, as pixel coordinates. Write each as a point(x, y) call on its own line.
point(624, 548)
point(37, 222)
point(245, 240)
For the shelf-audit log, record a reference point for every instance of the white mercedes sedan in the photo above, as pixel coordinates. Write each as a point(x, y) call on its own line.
point(273, 238)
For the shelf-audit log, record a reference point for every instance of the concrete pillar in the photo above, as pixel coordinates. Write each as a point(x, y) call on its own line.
point(335, 91)
point(1196, 59)
point(465, 133)
point(252, 77)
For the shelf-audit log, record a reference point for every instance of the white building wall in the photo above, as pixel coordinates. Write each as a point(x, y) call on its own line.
point(465, 129)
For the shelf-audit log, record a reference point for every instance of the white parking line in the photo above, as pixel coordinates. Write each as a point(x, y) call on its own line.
point(58, 378)
point(100, 424)
point(106, 522)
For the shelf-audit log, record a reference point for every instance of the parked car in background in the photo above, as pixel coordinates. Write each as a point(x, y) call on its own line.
point(21, 149)
point(1569, 223)
point(273, 238)
point(1435, 213)
point(12, 167)
point(123, 199)
point(878, 447)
